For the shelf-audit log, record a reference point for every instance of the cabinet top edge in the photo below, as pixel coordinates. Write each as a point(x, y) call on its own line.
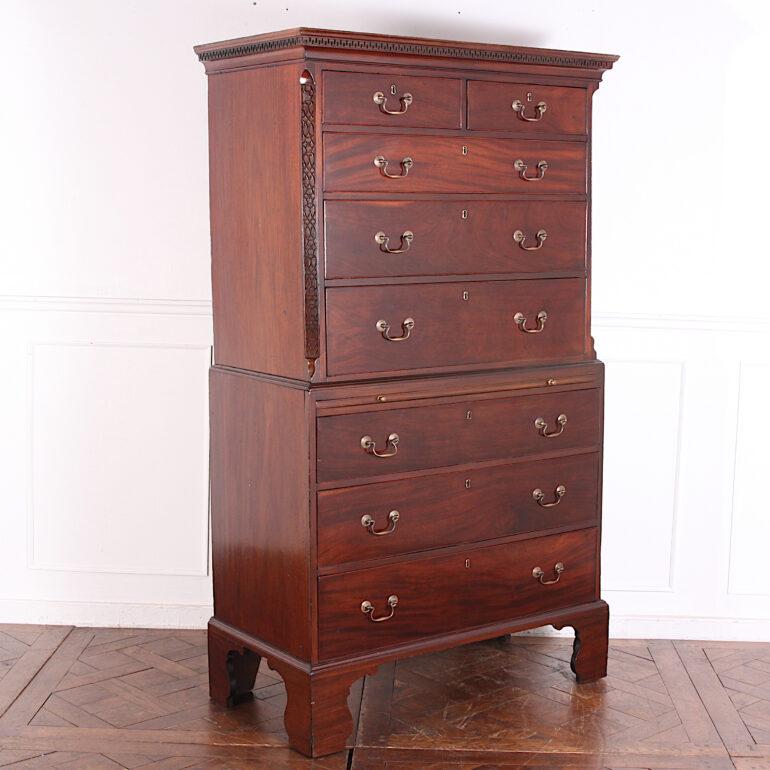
point(360, 42)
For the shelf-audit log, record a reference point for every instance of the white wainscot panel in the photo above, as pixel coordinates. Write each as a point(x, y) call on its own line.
point(642, 416)
point(119, 478)
point(750, 537)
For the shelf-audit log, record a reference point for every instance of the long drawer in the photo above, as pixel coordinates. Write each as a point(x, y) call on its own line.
point(396, 329)
point(415, 514)
point(385, 441)
point(397, 163)
point(441, 594)
point(402, 238)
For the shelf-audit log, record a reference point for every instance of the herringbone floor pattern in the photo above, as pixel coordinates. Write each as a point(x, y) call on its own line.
point(127, 698)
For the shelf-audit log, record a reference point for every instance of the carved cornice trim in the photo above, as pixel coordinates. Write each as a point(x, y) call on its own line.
point(510, 55)
point(309, 221)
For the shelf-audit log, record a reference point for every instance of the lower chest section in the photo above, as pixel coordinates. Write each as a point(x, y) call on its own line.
point(461, 506)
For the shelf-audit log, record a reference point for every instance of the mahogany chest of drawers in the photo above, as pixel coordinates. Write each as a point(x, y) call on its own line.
point(406, 407)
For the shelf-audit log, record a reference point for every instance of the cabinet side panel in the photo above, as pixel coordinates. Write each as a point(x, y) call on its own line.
point(260, 509)
point(256, 220)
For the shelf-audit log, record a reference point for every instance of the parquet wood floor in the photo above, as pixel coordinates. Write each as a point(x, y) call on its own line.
point(127, 698)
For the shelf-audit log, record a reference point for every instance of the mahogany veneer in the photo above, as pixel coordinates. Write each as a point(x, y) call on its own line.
point(489, 107)
point(406, 409)
point(450, 164)
point(469, 238)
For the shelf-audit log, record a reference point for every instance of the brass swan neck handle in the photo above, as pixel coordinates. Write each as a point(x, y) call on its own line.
point(369, 445)
point(542, 426)
point(367, 522)
point(406, 242)
point(538, 574)
point(519, 107)
point(522, 167)
point(368, 609)
point(381, 100)
point(382, 164)
point(538, 496)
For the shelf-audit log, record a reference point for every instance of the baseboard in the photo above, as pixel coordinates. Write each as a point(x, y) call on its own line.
point(105, 614)
point(678, 627)
point(120, 615)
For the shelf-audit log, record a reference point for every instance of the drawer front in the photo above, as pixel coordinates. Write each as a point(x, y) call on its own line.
point(444, 509)
point(356, 98)
point(446, 593)
point(437, 164)
point(403, 238)
point(495, 106)
point(440, 435)
point(453, 324)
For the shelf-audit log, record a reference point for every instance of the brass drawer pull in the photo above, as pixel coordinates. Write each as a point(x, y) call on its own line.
point(521, 167)
point(368, 609)
point(380, 100)
point(367, 522)
point(542, 426)
point(538, 496)
point(383, 327)
point(369, 444)
point(521, 321)
point(406, 241)
point(518, 107)
point(382, 164)
point(538, 574)
point(540, 237)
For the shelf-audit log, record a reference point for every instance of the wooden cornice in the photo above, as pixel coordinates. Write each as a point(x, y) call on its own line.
point(335, 40)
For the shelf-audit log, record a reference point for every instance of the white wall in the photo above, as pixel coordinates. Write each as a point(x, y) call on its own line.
point(105, 314)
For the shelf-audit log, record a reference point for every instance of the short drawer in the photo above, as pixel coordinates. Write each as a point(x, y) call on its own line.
point(441, 594)
point(495, 106)
point(404, 238)
point(397, 163)
point(360, 445)
point(417, 514)
point(427, 326)
point(363, 99)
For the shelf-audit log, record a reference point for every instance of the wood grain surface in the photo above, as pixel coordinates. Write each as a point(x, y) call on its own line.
point(465, 237)
point(348, 99)
point(138, 698)
point(312, 174)
point(453, 507)
point(442, 166)
point(490, 107)
point(440, 593)
point(442, 435)
point(455, 324)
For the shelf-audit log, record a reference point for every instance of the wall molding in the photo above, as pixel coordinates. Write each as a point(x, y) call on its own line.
point(106, 321)
point(697, 323)
point(202, 307)
point(737, 455)
point(138, 305)
point(32, 563)
point(689, 627)
point(105, 614)
point(668, 587)
point(196, 616)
